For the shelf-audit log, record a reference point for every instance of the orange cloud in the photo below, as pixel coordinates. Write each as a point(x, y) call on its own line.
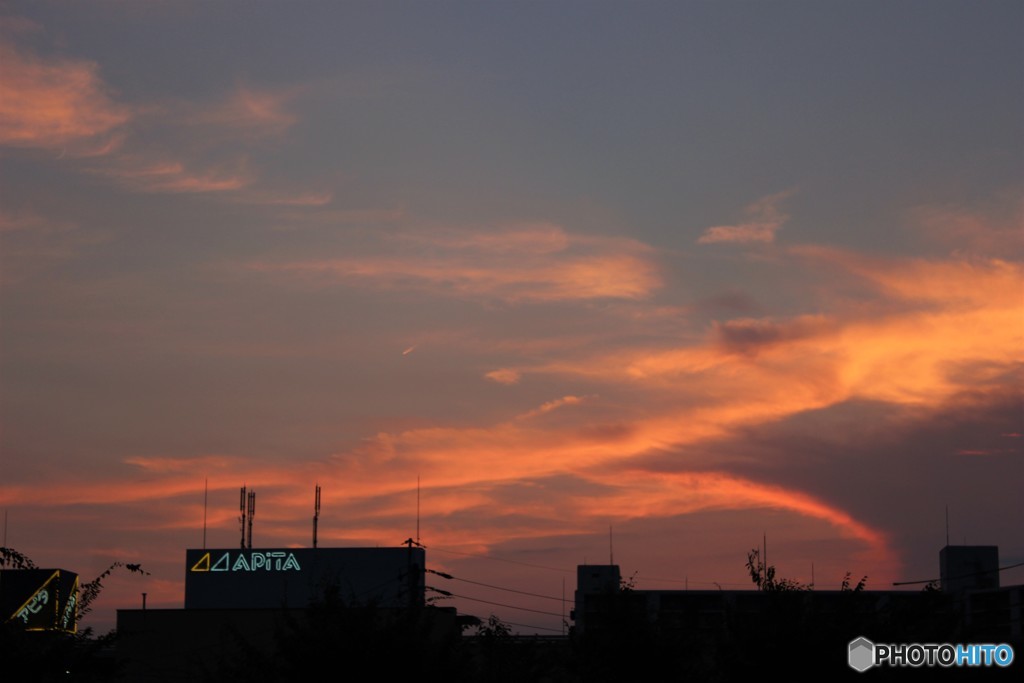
point(173, 177)
point(765, 219)
point(954, 283)
point(513, 265)
point(30, 221)
point(248, 108)
point(644, 494)
point(55, 103)
point(551, 405)
point(535, 238)
point(503, 376)
point(164, 465)
point(34, 243)
point(996, 232)
point(278, 198)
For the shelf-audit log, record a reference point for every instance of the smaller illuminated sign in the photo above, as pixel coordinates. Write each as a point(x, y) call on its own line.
point(34, 605)
point(45, 599)
point(69, 618)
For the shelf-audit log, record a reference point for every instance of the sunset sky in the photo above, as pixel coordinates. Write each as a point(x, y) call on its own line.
point(699, 272)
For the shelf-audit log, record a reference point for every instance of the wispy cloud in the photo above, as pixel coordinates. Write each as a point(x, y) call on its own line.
point(30, 221)
point(53, 103)
point(245, 109)
point(504, 376)
point(529, 238)
point(172, 176)
point(34, 243)
point(994, 230)
point(955, 282)
point(514, 265)
point(764, 218)
point(272, 197)
point(549, 406)
point(64, 104)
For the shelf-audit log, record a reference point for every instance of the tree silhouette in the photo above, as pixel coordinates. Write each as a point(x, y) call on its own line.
point(57, 655)
point(845, 586)
point(764, 576)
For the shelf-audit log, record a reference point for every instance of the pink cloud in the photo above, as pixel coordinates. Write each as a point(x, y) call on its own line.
point(247, 108)
point(281, 198)
point(764, 220)
point(173, 177)
point(507, 266)
point(954, 282)
point(30, 221)
point(504, 376)
point(53, 103)
point(530, 238)
point(34, 243)
point(995, 230)
point(548, 406)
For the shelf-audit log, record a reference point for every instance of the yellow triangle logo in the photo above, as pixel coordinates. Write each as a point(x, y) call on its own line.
point(203, 565)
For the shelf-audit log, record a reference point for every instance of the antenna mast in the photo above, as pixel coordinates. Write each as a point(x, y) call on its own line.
point(241, 514)
point(947, 525)
point(252, 513)
point(316, 513)
point(417, 509)
point(206, 498)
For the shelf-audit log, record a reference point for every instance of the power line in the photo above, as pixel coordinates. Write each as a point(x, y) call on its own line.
point(497, 604)
point(962, 576)
point(487, 585)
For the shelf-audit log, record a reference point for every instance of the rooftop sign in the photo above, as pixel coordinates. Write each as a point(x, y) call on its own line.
point(295, 577)
point(247, 561)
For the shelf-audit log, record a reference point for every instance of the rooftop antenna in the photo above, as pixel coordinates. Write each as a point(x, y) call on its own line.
point(611, 549)
point(417, 509)
point(5, 527)
point(252, 513)
point(241, 514)
point(206, 498)
point(947, 525)
point(316, 513)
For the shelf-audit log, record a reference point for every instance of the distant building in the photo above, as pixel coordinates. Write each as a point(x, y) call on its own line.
point(971, 604)
point(969, 567)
